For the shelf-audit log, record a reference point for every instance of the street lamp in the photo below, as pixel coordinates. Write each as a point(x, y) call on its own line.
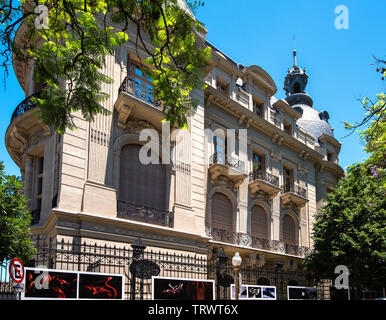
point(236, 262)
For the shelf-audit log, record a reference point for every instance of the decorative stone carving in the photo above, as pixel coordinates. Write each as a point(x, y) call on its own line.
point(136, 126)
point(123, 114)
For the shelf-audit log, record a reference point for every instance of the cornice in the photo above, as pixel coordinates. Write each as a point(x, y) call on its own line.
point(283, 105)
point(260, 124)
point(327, 138)
point(332, 167)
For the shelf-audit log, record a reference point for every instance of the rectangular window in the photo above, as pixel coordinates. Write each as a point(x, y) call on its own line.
point(330, 156)
point(140, 84)
point(258, 161)
point(288, 128)
point(258, 108)
point(223, 87)
point(288, 177)
point(220, 149)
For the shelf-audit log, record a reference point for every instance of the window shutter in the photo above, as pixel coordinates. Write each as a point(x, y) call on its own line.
point(141, 184)
point(259, 225)
point(289, 235)
point(222, 213)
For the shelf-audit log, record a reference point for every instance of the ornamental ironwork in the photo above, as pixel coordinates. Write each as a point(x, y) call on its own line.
point(26, 105)
point(293, 188)
point(140, 91)
point(264, 176)
point(222, 158)
point(127, 210)
point(247, 240)
point(144, 269)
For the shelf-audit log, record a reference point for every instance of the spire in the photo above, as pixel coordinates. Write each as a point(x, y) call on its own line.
point(295, 65)
point(294, 52)
point(295, 84)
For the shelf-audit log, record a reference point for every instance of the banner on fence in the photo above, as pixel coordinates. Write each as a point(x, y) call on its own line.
point(254, 292)
point(302, 293)
point(54, 284)
point(182, 289)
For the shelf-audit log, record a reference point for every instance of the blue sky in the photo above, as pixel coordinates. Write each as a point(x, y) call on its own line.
point(338, 62)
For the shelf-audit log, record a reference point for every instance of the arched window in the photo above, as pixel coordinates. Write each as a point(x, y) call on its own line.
point(222, 212)
point(289, 234)
point(141, 184)
point(259, 225)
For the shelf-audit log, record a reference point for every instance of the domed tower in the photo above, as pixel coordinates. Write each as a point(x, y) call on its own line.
point(312, 121)
point(316, 124)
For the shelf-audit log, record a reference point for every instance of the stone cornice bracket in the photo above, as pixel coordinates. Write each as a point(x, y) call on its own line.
point(237, 183)
point(304, 155)
point(275, 138)
point(123, 114)
point(275, 155)
point(320, 167)
point(241, 120)
point(248, 124)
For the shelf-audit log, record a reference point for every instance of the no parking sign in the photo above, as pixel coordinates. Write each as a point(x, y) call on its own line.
point(16, 270)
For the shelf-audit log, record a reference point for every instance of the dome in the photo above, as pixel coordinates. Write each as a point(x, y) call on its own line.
point(313, 121)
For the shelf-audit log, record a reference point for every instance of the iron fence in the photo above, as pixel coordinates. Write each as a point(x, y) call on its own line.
point(138, 263)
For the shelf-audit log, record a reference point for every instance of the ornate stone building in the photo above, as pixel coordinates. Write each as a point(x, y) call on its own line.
point(88, 185)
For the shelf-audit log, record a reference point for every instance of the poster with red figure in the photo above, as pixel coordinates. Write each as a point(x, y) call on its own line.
point(50, 284)
point(164, 288)
point(53, 284)
point(100, 286)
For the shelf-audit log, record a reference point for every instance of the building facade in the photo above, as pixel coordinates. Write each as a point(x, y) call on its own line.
point(89, 186)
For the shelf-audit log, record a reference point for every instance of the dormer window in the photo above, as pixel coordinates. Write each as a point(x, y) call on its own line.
point(222, 86)
point(288, 128)
point(258, 108)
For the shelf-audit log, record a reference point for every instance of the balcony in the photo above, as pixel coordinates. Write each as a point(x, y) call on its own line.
point(24, 128)
point(260, 180)
point(24, 106)
point(136, 99)
point(292, 193)
point(247, 240)
point(233, 169)
point(145, 214)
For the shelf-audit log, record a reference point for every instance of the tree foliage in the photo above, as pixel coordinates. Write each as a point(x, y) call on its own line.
point(14, 220)
point(351, 228)
point(68, 51)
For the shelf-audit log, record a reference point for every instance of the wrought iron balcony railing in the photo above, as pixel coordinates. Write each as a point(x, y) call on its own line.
point(247, 240)
point(221, 158)
point(293, 188)
point(127, 210)
point(26, 105)
point(265, 176)
point(139, 90)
